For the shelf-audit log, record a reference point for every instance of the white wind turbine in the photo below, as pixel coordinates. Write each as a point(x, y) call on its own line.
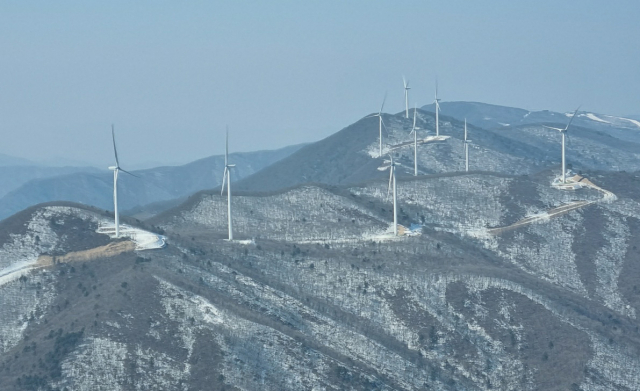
point(563, 132)
point(406, 96)
point(437, 103)
point(116, 169)
point(392, 184)
point(227, 177)
point(414, 130)
point(466, 147)
point(379, 115)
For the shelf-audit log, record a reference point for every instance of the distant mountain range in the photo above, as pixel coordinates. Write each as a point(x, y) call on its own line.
point(94, 187)
point(504, 140)
point(7, 160)
point(489, 116)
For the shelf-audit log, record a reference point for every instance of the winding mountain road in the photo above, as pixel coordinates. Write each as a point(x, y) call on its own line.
point(558, 211)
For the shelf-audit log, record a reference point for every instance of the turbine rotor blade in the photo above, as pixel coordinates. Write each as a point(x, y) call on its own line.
point(551, 127)
point(224, 179)
point(383, 101)
point(125, 171)
point(415, 109)
point(572, 117)
point(384, 125)
point(390, 178)
point(226, 150)
point(115, 150)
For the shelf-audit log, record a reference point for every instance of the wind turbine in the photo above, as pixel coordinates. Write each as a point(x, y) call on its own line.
point(116, 169)
point(437, 103)
point(392, 184)
point(414, 130)
point(379, 115)
point(406, 96)
point(563, 132)
point(466, 147)
point(227, 177)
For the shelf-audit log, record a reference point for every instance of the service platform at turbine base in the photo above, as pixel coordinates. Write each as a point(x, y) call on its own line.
point(144, 240)
point(572, 182)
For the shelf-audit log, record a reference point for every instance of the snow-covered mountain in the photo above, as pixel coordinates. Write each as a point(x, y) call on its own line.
point(507, 282)
point(352, 155)
point(323, 297)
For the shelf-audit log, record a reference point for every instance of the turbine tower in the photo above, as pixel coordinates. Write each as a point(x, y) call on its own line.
point(437, 103)
point(414, 130)
point(563, 132)
point(379, 115)
point(116, 169)
point(406, 96)
point(226, 176)
point(466, 147)
point(392, 185)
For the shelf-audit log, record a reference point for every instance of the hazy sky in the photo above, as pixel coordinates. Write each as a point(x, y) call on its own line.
point(171, 74)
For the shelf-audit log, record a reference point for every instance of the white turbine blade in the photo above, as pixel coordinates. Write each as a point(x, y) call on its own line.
point(120, 169)
point(390, 178)
point(465, 129)
point(383, 100)
point(415, 109)
point(226, 149)
point(384, 125)
point(224, 180)
point(551, 127)
point(572, 117)
point(404, 81)
point(115, 150)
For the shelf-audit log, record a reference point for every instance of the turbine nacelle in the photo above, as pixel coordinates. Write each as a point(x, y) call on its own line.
point(113, 168)
point(558, 129)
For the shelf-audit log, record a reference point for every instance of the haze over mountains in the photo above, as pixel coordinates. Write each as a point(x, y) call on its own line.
point(94, 187)
point(511, 284)
point(505, 139)
point(496, 117)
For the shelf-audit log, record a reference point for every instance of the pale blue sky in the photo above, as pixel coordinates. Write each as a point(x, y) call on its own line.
point(171, 74)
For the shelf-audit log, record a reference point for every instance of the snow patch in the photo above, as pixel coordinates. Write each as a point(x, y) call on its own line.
point(144, 240)
point(593, 117)
point(633, 121)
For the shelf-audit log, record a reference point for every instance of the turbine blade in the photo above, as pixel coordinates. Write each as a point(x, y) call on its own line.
point(390, 178)
point(226, 150)
point(120, 169)
point(404, 81)
point(383, 100)
point(115, 150)
point(384, 125)
point(551, 127)
point(224, 179)
point(415, 109)
point(572, 117)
